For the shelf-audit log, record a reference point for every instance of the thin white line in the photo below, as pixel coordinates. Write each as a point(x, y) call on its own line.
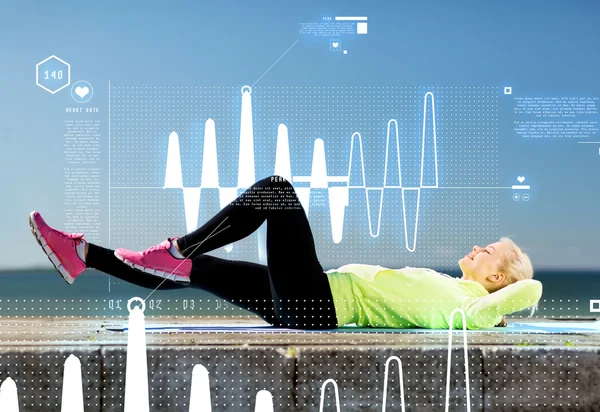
point(337, 394)
point(136, 187)
point(589, 142)
point(274, 63)
point(109, 166)
point(209, 236)
point(109, 174)
point(330, 179)
point(183, 260)
point(466, 187)
point(466, 356)
point(386, 378)
point(349, 187)
point(357, 18)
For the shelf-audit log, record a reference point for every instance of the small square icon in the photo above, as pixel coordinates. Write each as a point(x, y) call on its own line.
point(361, 28)
point(345, 51)
point(595, 305)
point(508, 90)
point(335, 45)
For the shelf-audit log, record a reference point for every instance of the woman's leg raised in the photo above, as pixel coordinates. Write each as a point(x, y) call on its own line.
point(243, 284)
point(299, 287)
point(104, 260)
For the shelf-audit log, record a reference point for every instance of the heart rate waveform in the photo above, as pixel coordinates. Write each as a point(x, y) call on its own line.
point(338, 196)
point(401, 372)
point(136, 381)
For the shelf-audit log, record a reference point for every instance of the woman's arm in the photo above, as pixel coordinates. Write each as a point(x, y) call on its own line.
point(485, 311)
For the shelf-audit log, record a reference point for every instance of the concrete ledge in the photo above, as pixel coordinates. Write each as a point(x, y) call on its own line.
point(236, 376)
point(360, 376)
point(540, 379)
point(507, 373)
point(521, 379)
point(38, 374)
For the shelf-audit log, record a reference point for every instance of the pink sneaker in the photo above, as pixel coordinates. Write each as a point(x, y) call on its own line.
point(59, 247)
point(158, 261)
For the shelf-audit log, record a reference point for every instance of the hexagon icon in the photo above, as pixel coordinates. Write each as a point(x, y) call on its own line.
point(53, 74)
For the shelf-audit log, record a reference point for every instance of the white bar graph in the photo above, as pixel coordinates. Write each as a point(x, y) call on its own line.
point(351, 18)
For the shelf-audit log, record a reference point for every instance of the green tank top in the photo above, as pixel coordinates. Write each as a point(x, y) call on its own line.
point(410, 297)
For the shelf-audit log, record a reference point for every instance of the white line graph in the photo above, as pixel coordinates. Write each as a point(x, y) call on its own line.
point(385, 381)
point(72, 389)
point(338, 187)
point(137, 393)
point(401, 374)
point(319, 179)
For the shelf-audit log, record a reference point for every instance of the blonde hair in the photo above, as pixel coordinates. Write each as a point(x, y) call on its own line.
point(516, 266)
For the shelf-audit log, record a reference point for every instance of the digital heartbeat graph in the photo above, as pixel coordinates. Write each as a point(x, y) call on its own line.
point(401, 373)
point(137, 399)
point(338, 196)
point(338, 193)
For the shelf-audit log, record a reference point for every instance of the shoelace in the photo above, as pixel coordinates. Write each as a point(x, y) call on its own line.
point(154, 248)
point(77, 237)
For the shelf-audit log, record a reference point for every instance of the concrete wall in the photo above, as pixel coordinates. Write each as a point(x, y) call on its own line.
point(501, 378)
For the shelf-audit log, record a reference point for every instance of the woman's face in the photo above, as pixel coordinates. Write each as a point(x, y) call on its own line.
point(482, 264)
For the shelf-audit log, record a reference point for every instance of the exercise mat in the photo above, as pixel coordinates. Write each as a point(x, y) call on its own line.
point(555, 327)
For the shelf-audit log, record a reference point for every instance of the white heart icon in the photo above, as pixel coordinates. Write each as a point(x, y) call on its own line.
point(521, 179)
point(335, 44)
point(82, 91)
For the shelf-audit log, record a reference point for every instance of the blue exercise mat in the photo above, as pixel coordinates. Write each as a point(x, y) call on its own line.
point(534, 327)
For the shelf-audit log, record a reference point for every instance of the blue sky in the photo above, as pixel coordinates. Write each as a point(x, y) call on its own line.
point(539, 48)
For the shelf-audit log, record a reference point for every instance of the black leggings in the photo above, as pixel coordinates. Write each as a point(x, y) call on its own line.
point(290, 291)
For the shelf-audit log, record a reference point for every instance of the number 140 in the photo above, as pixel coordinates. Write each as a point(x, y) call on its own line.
point(55, 74)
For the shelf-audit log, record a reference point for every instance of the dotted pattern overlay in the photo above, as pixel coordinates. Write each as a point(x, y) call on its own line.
point(450, 220)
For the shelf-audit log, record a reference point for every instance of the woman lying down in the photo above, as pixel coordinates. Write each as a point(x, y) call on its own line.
point(292, 290)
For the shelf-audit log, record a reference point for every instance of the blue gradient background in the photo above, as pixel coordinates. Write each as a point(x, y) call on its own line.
point(537, 47)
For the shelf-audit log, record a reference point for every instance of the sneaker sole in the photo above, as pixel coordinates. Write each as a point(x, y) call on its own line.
point(154, 272)
point(52, 257)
